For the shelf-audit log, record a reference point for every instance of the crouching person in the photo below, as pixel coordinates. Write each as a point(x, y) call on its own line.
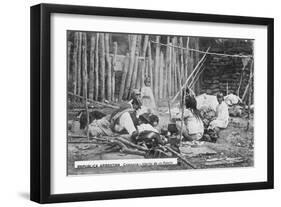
point(193, 127)
point(222, 115)
point(148, 136)
point(124, 120)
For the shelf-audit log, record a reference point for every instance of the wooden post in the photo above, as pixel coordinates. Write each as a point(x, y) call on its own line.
point(183, 94)
point(135, 71)
point(170, 71)
point(84, 64)
point(161, 76)
point(150, 65)
point(115, 47)
point(108, 67)
point(96, 72)
point(131, 64)
point(174, 66)
point(156, 68)
point(79, 64)
point(141, 74)
point(85, 78)
point(75, 64)
point(69, 44)
point(182, 77)
point(92, 67)
point(102, 67)
point(196, 56)
point(123, 78)
point(250, 94)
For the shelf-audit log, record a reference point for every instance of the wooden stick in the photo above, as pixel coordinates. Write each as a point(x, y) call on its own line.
point(135, 71)
point(102, 67)
point(69, 44)
point(150, 65)
point(182, 111)
point(75, 64)
point(161, 75)
point(156, 68)
point(85, 78)
point(108, 67)
point(187, 56)
point(114, 63)
point(79, 64)
point(170, 72)
point(248, 85)
point(92, 67)
point(241, 77)
point(197, 74)
point(181, 60)
point(165, 88)
point(143, 63)
point(181, 157)
point(123, 78)
point(194, 70)
point(131, 64)
point(96, 72)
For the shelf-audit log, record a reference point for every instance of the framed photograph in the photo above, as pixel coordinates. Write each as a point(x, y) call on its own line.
point(132, 103)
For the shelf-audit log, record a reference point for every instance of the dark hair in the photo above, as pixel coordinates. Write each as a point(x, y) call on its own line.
point(191, 103)
point(153, 118)
point(137, 102)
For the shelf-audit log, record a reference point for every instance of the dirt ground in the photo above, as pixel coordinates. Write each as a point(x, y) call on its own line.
point(234, 148)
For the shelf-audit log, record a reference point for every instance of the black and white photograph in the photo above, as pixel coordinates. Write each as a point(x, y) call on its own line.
point(152, 102)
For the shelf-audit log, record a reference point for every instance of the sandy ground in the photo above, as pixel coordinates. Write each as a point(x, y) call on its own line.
point(235, 143)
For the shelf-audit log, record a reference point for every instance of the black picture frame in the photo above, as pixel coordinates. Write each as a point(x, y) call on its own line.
point(41, 99)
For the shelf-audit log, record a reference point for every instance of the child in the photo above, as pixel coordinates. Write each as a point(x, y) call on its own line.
point(147, 97)
point(222, 114)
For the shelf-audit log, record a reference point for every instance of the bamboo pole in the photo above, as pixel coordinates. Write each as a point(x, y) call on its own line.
point(135, 71)
point(186, 59)
point(132, 44)
point(102, 67)
point(123, 78)
point(156, 68)
point(92, 67)
point(196, 54)
point(182, 75)
point(141, 73)
point(161, 71)
point(174, 65)
point(84, 65)
point(241, 76)
point(108, 67)
point(115, 48)
point(96, 72)
point(166, 67)
point(170, 71)
point(69, 44)
point(150, 65)
point(85, 78)
point(79, 64)
point(75, 64)
point(183, 94)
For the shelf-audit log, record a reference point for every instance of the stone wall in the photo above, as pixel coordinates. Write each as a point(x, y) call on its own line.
point(223, 72)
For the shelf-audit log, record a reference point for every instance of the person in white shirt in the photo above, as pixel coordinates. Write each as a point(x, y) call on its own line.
point(222, 114)
point(124, 120)
point(147, 97)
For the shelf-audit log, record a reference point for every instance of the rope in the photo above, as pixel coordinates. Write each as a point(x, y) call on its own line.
point(200, 51)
